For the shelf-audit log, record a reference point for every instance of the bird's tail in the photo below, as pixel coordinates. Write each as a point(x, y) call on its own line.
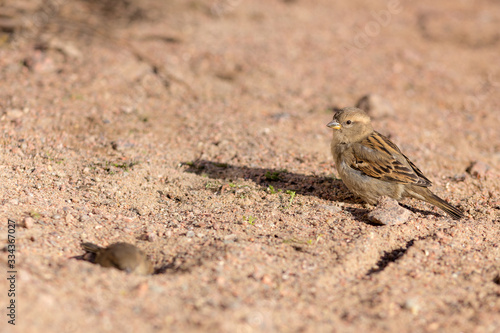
point(453, 211)
point(89, 247)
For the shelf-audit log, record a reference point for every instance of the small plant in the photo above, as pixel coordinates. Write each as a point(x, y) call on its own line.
point(275, 175)
point(122, 166)
point(125, 166)
point(250, 219)
point(110, 168)
point(318, 238)
point(212, 185)
point(292, 196)
point(273, 191)
point(311, 241)
point(35, 215)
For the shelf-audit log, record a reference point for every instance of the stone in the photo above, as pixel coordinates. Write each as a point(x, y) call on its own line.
point(375, 105)
point(389, 212)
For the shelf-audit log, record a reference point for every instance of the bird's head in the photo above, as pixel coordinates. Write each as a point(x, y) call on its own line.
point(350, 125)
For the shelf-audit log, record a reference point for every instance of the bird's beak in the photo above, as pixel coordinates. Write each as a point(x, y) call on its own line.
point(333, 124)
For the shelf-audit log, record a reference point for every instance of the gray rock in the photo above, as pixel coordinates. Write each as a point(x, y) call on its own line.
point(389, 212)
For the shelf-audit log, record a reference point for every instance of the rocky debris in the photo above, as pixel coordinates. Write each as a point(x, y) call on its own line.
point(121, 145)
point(150, 236)
point(375, 105)
point(478, 169)
point(330, 208)
point(13, 114)
point(389, 212)
point(27, 222)
point(413, 305)
point(67, 48)
point(40, 62)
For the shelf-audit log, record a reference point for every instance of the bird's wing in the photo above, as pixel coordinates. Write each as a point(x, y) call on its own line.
point(376, 156)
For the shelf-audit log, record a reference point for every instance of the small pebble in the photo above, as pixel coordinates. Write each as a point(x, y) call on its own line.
point(413, 305)
point(14, 114)
point(331, 208)
point(69, 219)
point(190, 233)
point(84, 218)
point(375, 105)
point(151, 237)
point(127, 219)
point(267, 279)
point(478, 169)
point(389, 212)
point(28, 222)
point(121, 145)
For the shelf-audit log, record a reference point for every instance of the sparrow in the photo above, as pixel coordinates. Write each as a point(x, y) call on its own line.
point(124, 256)
point(371, 166)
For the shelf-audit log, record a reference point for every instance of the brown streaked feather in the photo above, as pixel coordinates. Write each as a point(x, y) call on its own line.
point(419, 173)
point(396, 148)
point(377, 157)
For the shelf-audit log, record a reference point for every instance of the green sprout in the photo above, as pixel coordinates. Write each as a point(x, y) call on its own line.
point(212, 185)
point(35, 215)
point(275, 175)
point(292, 196)
point(272, 190)
point(250, 220)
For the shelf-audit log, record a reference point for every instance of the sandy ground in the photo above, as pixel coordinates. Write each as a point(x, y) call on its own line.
point(196, 131)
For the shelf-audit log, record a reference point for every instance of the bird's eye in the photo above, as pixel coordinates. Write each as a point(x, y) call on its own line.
point(348, 122)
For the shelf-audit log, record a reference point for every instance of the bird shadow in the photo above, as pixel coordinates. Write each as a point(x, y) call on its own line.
point(426, 213)
point(326, 188)
point(90, 257)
